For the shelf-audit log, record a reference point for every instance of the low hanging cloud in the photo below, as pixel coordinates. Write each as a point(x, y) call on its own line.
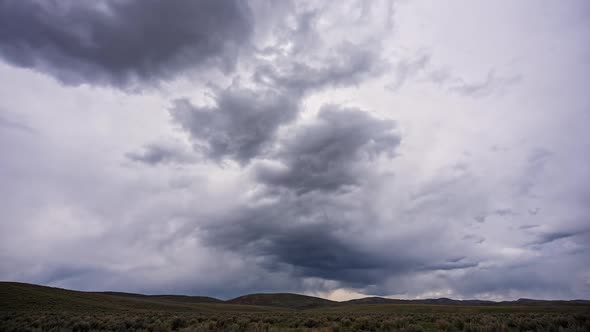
point(122, 42)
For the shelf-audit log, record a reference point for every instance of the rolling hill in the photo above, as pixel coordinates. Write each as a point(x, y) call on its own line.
point(287, 300)
point(28, 297)
point(439, 301)
point(16, 296)
point(168, 298)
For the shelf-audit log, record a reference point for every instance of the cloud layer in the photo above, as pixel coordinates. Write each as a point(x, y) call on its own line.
point(403, 149)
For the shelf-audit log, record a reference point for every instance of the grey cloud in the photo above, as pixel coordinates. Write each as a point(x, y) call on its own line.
point(548, 237)
point(505, 212)
point(508, 280)
point(489, 85)
point(348, 64)
point(480, 218)
point(502, 212)
point(312, 236)
point(121, 42)
point(327, 237)
point(535, 165)
point(328, 154)
point(534, 211)
point(447, 266)
point(316, 235)
point(161, 153)
point(406, 69)
point(244, 121)
point(240, 125)
point(477, 239)
point(443, 77)
point(12, 124)
point(528, 226)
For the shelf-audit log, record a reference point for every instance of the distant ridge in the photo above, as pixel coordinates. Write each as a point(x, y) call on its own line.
point(171, 298)
point(441, 301)
point(287, 300)
point(22, 296)
point(447, 301)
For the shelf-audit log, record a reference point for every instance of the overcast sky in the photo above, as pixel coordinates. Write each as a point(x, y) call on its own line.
point(408, 148)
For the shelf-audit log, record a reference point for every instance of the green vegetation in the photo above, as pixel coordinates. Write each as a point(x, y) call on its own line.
point(25, 307)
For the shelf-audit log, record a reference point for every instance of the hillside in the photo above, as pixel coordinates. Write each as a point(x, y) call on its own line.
point(25, 307)
point(452, 302)
point(286, 300)
point(168, 298)
point(27, 297)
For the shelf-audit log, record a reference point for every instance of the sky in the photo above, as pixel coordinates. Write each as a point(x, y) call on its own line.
point(342, 149)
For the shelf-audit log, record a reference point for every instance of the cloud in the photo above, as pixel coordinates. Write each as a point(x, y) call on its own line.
point(492, 83)
point(548, 237)
point(161, 153)
point(347, 64)
point(10, 124)
point(311, 236)
point(536, 162)
point(122, 42)
point(263, 187)
point(243, 121)
point(303, 221)
point(329, 153)
point(240, 125)
point(406, 69)
point(528, 226)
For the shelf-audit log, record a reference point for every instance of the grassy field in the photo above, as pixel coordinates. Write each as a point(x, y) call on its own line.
point(25, 307)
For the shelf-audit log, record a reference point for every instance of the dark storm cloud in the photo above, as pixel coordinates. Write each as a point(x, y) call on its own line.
point(322, 236)
point(240, 125)
point(309, 237)
point(328, 154)
point(121, 42)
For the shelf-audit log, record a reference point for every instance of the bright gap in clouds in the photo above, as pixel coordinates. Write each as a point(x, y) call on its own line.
point(392, 148)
